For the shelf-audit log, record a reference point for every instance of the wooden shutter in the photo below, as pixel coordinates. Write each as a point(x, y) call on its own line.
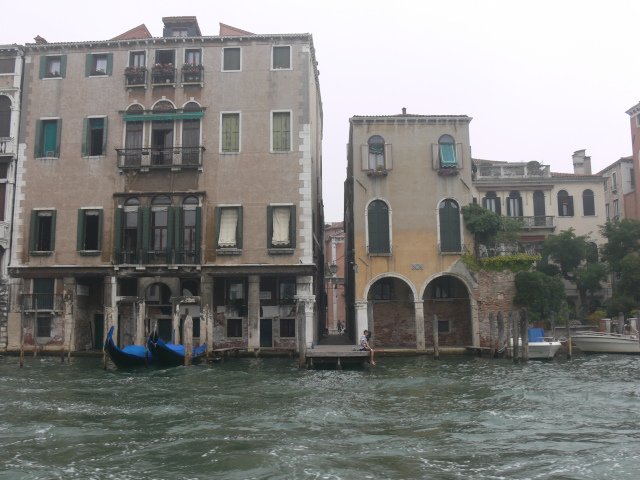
point(170, 233)
point(80, 233)
point(459, 154)
point(538, 205)
point(449, 227)
point(388, 157)
point(378, 227)
point(269, 225)
point(37, 151)
point(571, 206)
point(499, 205)
point(178, 237)
point(63, 65)
point(364, 152)
point(104, 136)
point(33, 232)
point(216, 223)
point(197, 245)
point(53, 230)
point(166, 32)
point(3, 195)
point(146, 219)
point(109, 63)
point(58, 136)
point(239, 229)
point(435, 155)
point(100, 229)
point(43, 66)
point(293, 233)
point(86, 135)
point(88, 65)
point(119, 221)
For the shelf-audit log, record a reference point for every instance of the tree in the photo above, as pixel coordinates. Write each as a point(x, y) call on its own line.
point(630, 276)
point(623, 238)
point(540, 293)
point(489, 227)
point(588, 278)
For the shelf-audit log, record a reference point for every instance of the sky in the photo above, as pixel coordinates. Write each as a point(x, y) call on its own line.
point(541, 79)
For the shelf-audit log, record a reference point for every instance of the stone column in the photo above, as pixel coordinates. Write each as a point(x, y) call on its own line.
point(141, 335)
point(110, 308)
point(362, 320)
point(206, 309)
point(68, 313)
point(304, 289)
point(253, 340)
point(420, 340)
point(175, 323)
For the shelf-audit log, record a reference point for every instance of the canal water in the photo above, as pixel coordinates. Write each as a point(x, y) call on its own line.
point(259, 418)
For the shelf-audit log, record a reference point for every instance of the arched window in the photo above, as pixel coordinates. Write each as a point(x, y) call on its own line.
point(133, 138)
point(491, 202)
point(161, 229)
point(129, 231)
point(449, 215)
point(376, 152)
point(191, 136)
point(588, 203)
point(5, 116)
point(190, 224)
point(378, 223)
point(539, 209)
point(514, 204)
point(446, 145)
point(162, 136)
point(565, 204)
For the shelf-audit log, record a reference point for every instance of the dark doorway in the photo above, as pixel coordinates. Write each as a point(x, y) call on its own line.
point(266, 333)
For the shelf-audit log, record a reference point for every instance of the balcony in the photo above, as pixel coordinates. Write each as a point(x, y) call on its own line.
point(136, 77)
point(163, 76)
point(6, 146)
point(512, 170)
point(542, 221)
point(160, 157)
point(169, 256)
point(41, 302)
point(192, 75)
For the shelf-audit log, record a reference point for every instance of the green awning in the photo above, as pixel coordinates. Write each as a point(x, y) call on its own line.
point(163, 116)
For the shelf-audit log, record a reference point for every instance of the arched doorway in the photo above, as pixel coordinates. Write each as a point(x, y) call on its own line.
point(392, 313)
point(447, 297)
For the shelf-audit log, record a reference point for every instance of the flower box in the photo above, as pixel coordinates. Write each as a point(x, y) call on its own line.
point(447, 171)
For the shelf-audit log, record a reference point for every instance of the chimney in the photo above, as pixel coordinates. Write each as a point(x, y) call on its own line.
point(40, 41)
point(581, 163)
point(404, 110)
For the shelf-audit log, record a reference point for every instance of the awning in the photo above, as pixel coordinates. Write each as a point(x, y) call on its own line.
point(163, 116)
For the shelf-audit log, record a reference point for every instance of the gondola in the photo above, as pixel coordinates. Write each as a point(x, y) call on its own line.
point(129, 356)
point(172, 355)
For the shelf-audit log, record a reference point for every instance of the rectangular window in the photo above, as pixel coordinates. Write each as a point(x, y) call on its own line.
point(179, 32)
point(281, 58)
point(616, 212)
point(442, 287)
point(7, 65)
point(138, 59)
point(89, 230)
point(606, 184)
point(193, 56)
point(281, 141)
point(235, 291)
point(444, 326)
point(43, 227)
point(43, 328)
point(287, 328)
point(281, 231)
point(382, 290)
point(229, 227)
point(230, 141)
point(231, 59)
point(99, 64)
point(234, 327)
point(606, 210)
point(94, 139)
point(53, 67)
point(287, 291)
point(614, 181)
point(47, 142)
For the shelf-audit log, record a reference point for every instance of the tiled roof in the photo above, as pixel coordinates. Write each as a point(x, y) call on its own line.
point(565, 175)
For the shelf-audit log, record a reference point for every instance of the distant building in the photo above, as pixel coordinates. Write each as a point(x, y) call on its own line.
point(632, 209)
point(334, 281)
point(160, 177)
point(619, 189)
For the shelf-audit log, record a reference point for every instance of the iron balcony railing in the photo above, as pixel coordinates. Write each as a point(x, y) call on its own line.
point(136, 79)
point(160, 157)
point(168, 256)
point(41, 301)
point(538, 221)
point(192, 76)
point(163, 77)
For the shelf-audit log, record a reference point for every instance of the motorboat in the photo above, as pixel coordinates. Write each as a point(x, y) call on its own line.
point(540, 346)
point(599, 342)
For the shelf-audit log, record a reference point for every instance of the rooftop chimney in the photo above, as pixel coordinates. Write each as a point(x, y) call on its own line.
point(40, 41)
point(404, 110)
point(581, 163)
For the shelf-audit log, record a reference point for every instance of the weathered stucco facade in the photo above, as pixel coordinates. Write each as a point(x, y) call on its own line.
point(160, 177)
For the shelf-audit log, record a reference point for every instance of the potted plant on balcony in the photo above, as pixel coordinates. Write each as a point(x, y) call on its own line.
point(380, 171)
point(447, 171)
point(135, 74)
point(53, 74)
point(163, 73)
point(192, 72)
point(99, 71)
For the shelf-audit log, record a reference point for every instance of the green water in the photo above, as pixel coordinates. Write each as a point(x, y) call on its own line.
point(459, 418)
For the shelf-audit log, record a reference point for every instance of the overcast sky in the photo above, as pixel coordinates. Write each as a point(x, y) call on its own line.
point(541, 79)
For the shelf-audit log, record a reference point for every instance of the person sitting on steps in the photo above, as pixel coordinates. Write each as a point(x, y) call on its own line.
point(364, 345)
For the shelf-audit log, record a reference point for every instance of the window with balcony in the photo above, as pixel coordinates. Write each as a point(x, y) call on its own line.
point(447, 148)
point(163, 71)
point(89, 230)
point(281, 228)
point(230, 133)
point(53, 66)
point(5, 116)
point(231, 59)
point(449, 227)
point(98, 64)
point(129, 230)
point(281, 132)
point(190, 224)
point(162, 136)
point(514, 204)
point(492, 202)
point(378, 228)
point(42, 232)
point(565, 204)
point(94, 137)
point(588, 203)
point(132, 155)
point(228, 228)
point(191, 136)
point(136, 72)
point(192, 69)
point(376, 157)
point(281, 58)
point(47, 141)
point(160, 236)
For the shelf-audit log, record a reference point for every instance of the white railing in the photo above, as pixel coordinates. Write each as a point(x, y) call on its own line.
point(512, 170)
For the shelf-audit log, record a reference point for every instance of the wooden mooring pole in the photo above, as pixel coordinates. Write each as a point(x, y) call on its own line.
point(436, 349)
point(553, 324)
point(501, 340)
point(566, 321)
point(620, 323)
point(35, 343)
point(524, 325)
point(187, 339)
point(508, 351)
point(516, 349)
point(492, 336)
point(63, 340)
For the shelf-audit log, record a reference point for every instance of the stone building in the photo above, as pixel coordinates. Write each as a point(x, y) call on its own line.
point(334, 275)
point(407, 178)
point(619, 188)
point(11, 64)
point(168, 176)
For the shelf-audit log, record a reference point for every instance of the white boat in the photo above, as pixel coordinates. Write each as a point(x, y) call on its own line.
point(540, 346)
point(598, 342)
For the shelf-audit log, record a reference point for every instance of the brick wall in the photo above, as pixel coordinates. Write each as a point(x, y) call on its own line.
point(496, 291)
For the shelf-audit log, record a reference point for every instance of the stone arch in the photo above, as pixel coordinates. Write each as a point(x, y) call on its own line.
point(451, 298)
point(391, 311)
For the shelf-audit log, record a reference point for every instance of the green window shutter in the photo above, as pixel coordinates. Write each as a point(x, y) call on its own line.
point(109, 63)
point(178, 236)
point(86, 132)
point(58, 136)
point(191, 32)
point(484, 202)
point(269, 226)
point(63, 66)
point(104, 136)
point(146, 219)
point(447, 155)
point(139, 230)
point(37, 152)
point(119, 220)
point(292, 227)
point(88, 65)
point(198, 233)
point(43, 66)
point(80, 237)
point(33, 232)
point(158, 51)
point(217, 213)
point(239, 230)
point(571, 206)
point(100, 229)
point(378, 227)
point(449, 227)
point(170, 233)
point(281, 131)
point(53, 230)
